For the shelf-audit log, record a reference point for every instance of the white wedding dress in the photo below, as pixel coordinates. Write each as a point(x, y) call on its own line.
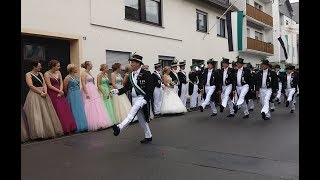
point(171, 103)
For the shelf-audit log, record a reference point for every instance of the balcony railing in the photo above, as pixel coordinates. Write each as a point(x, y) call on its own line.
point(259, 15)
point(257, 45)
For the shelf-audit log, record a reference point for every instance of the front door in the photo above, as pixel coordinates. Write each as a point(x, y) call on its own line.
point(43, 49)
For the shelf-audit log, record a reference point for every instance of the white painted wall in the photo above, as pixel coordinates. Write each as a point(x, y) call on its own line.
point(268, 36)
point(251, 2)
point(102, 23)
point(268, 8)
point(276, 32)
point(291, 46)
point(281, 30)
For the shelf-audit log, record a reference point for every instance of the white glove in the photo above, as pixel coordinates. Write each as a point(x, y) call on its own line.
point(114, 91)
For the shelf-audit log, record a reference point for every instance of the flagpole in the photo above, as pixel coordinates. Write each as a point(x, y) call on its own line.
point(219, 18)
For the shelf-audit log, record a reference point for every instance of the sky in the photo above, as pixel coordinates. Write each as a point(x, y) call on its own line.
point(292, 1)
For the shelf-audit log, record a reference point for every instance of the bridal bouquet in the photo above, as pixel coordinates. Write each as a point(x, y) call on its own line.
point(172, 83)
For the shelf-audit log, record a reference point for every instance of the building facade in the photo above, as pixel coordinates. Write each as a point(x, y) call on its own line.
point(258, 30)
point(110, 31)
point(286, 26)
point(160, 30)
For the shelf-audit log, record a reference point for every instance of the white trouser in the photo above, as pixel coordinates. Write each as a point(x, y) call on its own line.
point(194, 96)
point(175, 89)
point(272, 105)
point(183, 95)
point(279, 91)
point(265, 94)
point(225, 98)
point(251, 104)
point(242, 91)
point(157, 99)
point(291, 98)
point(137, 110)
point(209, 91)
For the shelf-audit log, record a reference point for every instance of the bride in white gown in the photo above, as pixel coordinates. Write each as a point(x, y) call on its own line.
point(171, 103)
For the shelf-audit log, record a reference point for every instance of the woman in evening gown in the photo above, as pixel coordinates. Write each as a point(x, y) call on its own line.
point(121, 103)
point(103, 87)
point(171, 103)
point(53, 79)
point(72, 89)
point(96, 113)
point(42, 119)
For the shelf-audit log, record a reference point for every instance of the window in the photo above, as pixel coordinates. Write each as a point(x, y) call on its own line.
point(201, 21)
point(197, 61)
point(258, 36)
point(248, 32)
point(221, 25)
point(132, 9)
point(258, 6)
point(148, 11)
point(117, 57)
point(166, 60)
point(153, 11)
point(34, 52)
point(287, 22)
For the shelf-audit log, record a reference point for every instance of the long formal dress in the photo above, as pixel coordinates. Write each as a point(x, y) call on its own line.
point(42, 119)
point(76, 104)
point(121, 103)
point(171, 103)
point(24, 128)
point(107, 101)
point(62, 107)
point(96, 113)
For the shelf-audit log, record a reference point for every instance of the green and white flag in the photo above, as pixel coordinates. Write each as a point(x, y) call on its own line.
point(235, 30)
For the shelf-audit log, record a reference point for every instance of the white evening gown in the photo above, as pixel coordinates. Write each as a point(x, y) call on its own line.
point(171, 103)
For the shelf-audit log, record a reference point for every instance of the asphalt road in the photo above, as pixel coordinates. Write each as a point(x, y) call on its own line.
point(190, 146)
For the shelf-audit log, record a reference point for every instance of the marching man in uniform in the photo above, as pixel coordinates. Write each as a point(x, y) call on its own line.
point(157, 93)
point(193, 87)
point(252, 89)
point(277, 96)
point(227, 82)
point(141, 86)
point(173, 74)
point(208, 86)
point(266, 85)
point(289, 86)
point(200, 70)
point(243, 83)
point(280, 76)
point(182, 75)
